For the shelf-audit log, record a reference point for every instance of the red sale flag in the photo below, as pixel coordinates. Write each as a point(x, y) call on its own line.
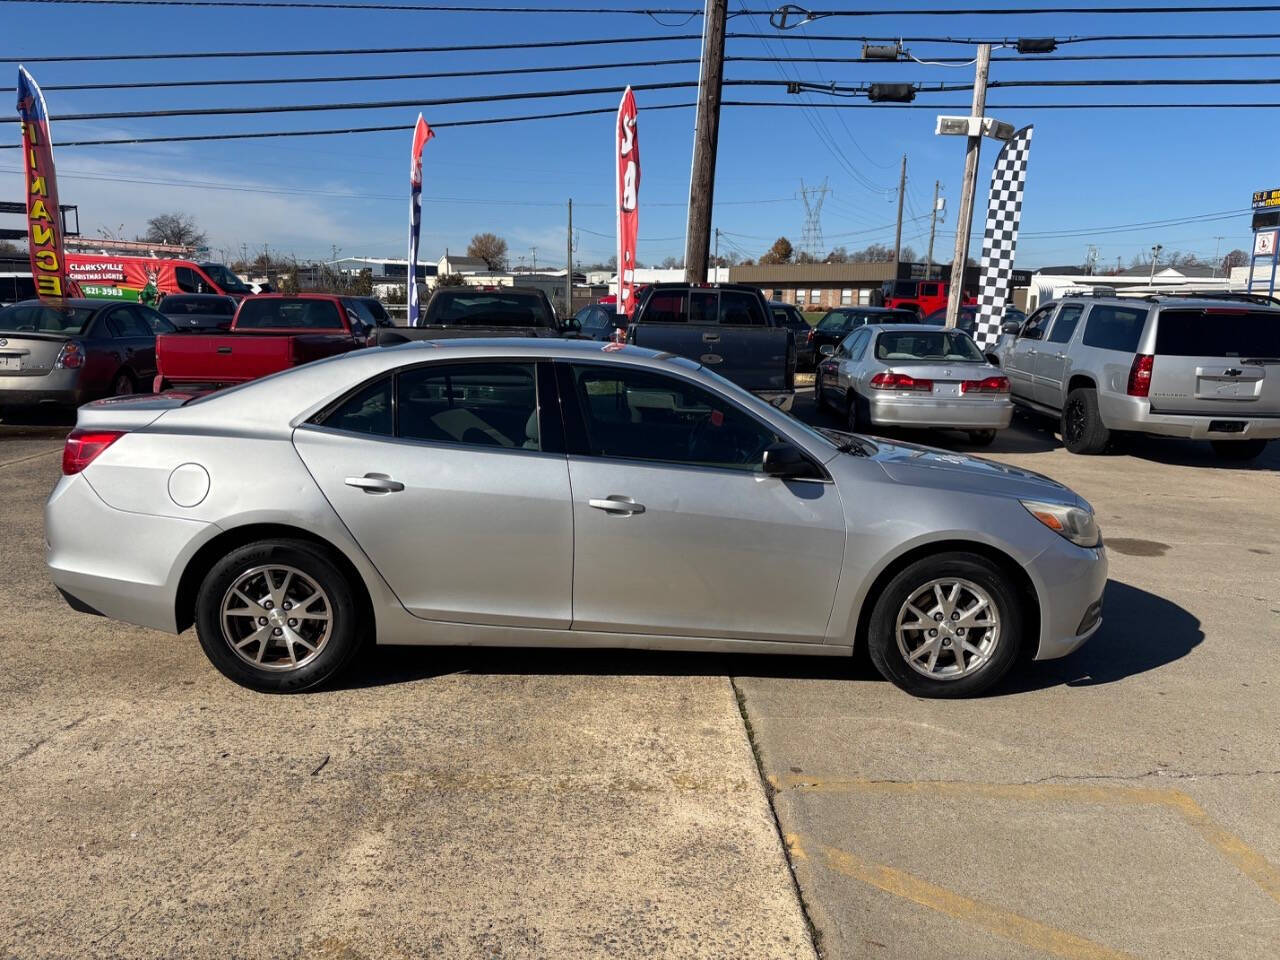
point(421, 134)
point(44, 217)
point(628, 197)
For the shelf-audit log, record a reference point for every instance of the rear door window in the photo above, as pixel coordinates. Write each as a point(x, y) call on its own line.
point(1114, 328)
point(740, 309)
point(1219, 333)
point(1065, 325)
point(472, 404)
point(667, 306)
point(127, 323)
point(367, 411)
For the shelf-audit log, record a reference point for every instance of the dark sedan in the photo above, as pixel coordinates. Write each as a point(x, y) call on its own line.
point(600, 322)
point(840, 322)
point(198, 311)
point(81, 351)
point(786, 315)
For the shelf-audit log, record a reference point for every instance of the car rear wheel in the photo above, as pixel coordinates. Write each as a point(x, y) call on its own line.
point(123, 385)
point(817, 389)
point(278, 616)
point(857, 416)
point(1082, 428)
point(982, 438)
point(946, 626)
point(1238, 450)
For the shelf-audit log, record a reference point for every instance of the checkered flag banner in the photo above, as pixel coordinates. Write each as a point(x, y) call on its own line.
point(1000, 242)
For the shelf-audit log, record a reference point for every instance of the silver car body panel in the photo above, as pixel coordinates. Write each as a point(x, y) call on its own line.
point(719, 560)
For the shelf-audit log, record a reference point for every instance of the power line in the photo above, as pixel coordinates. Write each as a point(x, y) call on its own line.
point(1057, 58)
point(358, 52)
point(1007, 40)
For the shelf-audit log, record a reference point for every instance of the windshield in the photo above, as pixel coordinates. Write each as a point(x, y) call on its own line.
point(378, 311)
point(224, 278)
point(38, 318)
point(836, 321)
point(1218, 333)
point(949, 346)
point(496, 308)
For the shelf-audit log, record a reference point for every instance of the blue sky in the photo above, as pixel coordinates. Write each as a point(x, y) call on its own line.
point(1088, 169)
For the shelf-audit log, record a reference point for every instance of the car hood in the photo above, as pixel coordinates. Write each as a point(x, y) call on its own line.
point(931, 467)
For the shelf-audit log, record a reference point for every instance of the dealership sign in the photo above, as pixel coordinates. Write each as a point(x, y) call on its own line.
point(1266, 198)
point(628, 194)
point(44, 230)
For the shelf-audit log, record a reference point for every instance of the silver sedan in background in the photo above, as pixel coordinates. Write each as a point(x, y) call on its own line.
point(914, 376)
point(555, 493)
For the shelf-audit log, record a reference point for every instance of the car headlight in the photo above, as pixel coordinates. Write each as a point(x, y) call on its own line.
point(1077, 524)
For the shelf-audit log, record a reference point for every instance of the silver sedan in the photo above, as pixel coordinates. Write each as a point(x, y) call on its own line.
point(914, 376)
point(555, 493)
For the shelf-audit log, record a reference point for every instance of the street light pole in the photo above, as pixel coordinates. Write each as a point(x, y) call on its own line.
point(902, 189)
point(933, 229)
point(1155, 255)
point(964, 219)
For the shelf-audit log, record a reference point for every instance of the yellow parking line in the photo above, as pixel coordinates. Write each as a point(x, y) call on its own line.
point(1005, 923)
point(1247, 860)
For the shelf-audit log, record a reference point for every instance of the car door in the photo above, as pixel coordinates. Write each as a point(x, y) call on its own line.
point(677, 531)
point(851, 352)
point(133, 343)
point(457, 489)
point(1051, 361)
point(1019, 360)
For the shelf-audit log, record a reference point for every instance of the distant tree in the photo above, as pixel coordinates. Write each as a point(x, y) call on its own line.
point(490, 248)
point(804, 256)
point(747, 262)
point(1236, 258)
point(177, 228)
point(872, 253)
point(780, 252)
point(838, 255)
point(451, 280)
point(362, 283)
point(673, 263)
point(9, 249)
point(396, 295)
point(908, 254)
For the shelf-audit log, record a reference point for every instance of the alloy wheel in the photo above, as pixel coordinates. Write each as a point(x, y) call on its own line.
point(948, 628)
point(276, 618)
point(1075, 420)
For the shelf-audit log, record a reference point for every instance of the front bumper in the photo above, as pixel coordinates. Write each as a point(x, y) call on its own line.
point(974, 414)
point(782, 399)
point(123, 565)
point(1069, 581)
point(1120, 412)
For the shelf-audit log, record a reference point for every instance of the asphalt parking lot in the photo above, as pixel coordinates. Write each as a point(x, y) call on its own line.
point(488, 803)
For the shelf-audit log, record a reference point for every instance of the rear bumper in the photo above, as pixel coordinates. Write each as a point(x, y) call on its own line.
point(973, 414)
point(61, 388)
point(121, 565)
point(782, 399)
point(1120, 412)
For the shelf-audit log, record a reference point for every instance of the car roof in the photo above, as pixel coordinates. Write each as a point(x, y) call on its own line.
point(91, 303)
point(850, 307)
point(198, 296)
point(908, 328)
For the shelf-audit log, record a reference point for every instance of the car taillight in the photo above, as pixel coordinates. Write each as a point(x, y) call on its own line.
point(1140, 375)
point(70, 357)
point(812, 331)
point(84, 446)
point(989, 385)
point(900, 381)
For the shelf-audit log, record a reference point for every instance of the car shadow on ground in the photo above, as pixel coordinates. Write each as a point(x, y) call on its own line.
point(1140, 632)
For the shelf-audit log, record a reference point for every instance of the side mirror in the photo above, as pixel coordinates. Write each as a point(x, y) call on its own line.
point(787, 462)
point(827, 350)
point(1010, 326)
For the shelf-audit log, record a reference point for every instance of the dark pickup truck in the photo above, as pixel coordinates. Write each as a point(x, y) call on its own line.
point(270, 332)
point(454, 312)
point(728, 328)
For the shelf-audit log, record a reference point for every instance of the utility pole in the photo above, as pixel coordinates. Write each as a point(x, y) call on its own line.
point(568, 266)
point(933, 229)
point(716, 264)
point(964, 219)
point(706, 134)
point(1155, 257)
point(902, 189)
point(1217, 247)
point(533, 253)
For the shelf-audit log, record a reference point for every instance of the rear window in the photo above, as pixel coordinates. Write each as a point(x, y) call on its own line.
point(475, 308)
point(903, 288)
point(37, 318)
point(836, 321)
point(1114, 328)
point(177, 306)
point(1200, 333)
point(949, 346)
point(287, 314)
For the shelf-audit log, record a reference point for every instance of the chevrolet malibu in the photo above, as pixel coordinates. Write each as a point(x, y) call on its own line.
point(556, 493)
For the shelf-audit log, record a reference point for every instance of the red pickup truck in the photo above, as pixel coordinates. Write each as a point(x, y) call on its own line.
point(922, 296)
point(269, 332)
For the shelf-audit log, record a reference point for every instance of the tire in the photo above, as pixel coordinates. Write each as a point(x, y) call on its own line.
point(1238, 450)
point(123, 385)
point(817, 389)
point(996, 648)
point(311, 569)
point(856, 419)
point(982, 438)
point(1081, 424)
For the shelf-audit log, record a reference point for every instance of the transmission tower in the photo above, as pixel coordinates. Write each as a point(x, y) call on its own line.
point(812, 242)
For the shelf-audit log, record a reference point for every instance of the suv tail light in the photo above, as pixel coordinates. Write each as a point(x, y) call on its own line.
point(812, 332)
point(70, 357)
point(900, 381)
point(989, 385)
point(1140, 375)
point(84, 446)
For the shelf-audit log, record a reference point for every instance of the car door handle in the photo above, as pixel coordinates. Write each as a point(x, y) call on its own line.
point(617, 504)
point(375, 483)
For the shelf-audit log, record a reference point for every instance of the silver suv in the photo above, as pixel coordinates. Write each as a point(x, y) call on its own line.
point(1205, 367)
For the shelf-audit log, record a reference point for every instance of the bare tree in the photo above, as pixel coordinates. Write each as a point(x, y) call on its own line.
point(1236, 258)
point(673, 263)
point(8, 249)
point(177, 228)
point(838, 255)
point(451, 280)
point(490, 248)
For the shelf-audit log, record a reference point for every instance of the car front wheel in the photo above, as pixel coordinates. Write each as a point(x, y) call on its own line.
point(278, 616)
point(946, 626)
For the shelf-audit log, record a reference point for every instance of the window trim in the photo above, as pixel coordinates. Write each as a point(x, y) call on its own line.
point(578, 445)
